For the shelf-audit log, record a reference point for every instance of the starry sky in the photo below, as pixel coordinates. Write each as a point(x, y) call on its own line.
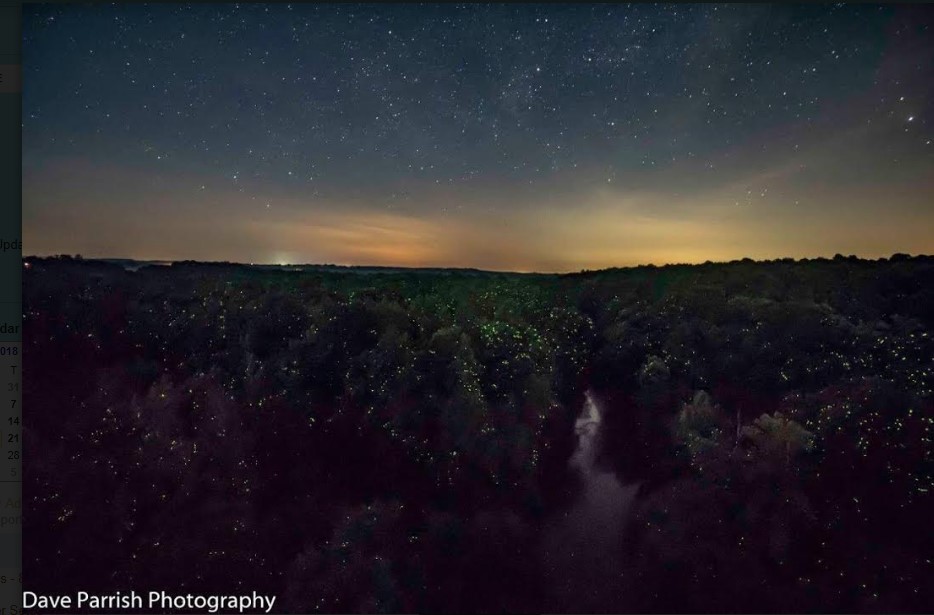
point(505, 137)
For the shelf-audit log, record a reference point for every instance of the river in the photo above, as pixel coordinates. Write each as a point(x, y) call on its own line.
point(582, 546)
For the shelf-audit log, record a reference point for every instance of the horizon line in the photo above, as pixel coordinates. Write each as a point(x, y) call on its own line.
point(166, 262)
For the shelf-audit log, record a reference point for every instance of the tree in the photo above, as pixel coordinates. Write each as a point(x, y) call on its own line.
point(779, 436)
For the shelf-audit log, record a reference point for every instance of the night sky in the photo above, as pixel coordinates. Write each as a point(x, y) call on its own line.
point(528, 138)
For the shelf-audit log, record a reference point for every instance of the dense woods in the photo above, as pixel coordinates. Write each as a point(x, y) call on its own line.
point(386, 441)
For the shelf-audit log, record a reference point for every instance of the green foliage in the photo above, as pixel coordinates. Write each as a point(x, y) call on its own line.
point(778, 436)
point(700, 424)
point(654, 372)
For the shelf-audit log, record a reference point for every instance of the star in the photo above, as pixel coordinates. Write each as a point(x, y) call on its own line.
point(469, 105)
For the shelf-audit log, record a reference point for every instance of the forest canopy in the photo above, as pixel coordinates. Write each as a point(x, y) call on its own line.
point(398, 440)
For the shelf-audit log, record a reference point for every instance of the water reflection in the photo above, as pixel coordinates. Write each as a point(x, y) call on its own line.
point(582, 548)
